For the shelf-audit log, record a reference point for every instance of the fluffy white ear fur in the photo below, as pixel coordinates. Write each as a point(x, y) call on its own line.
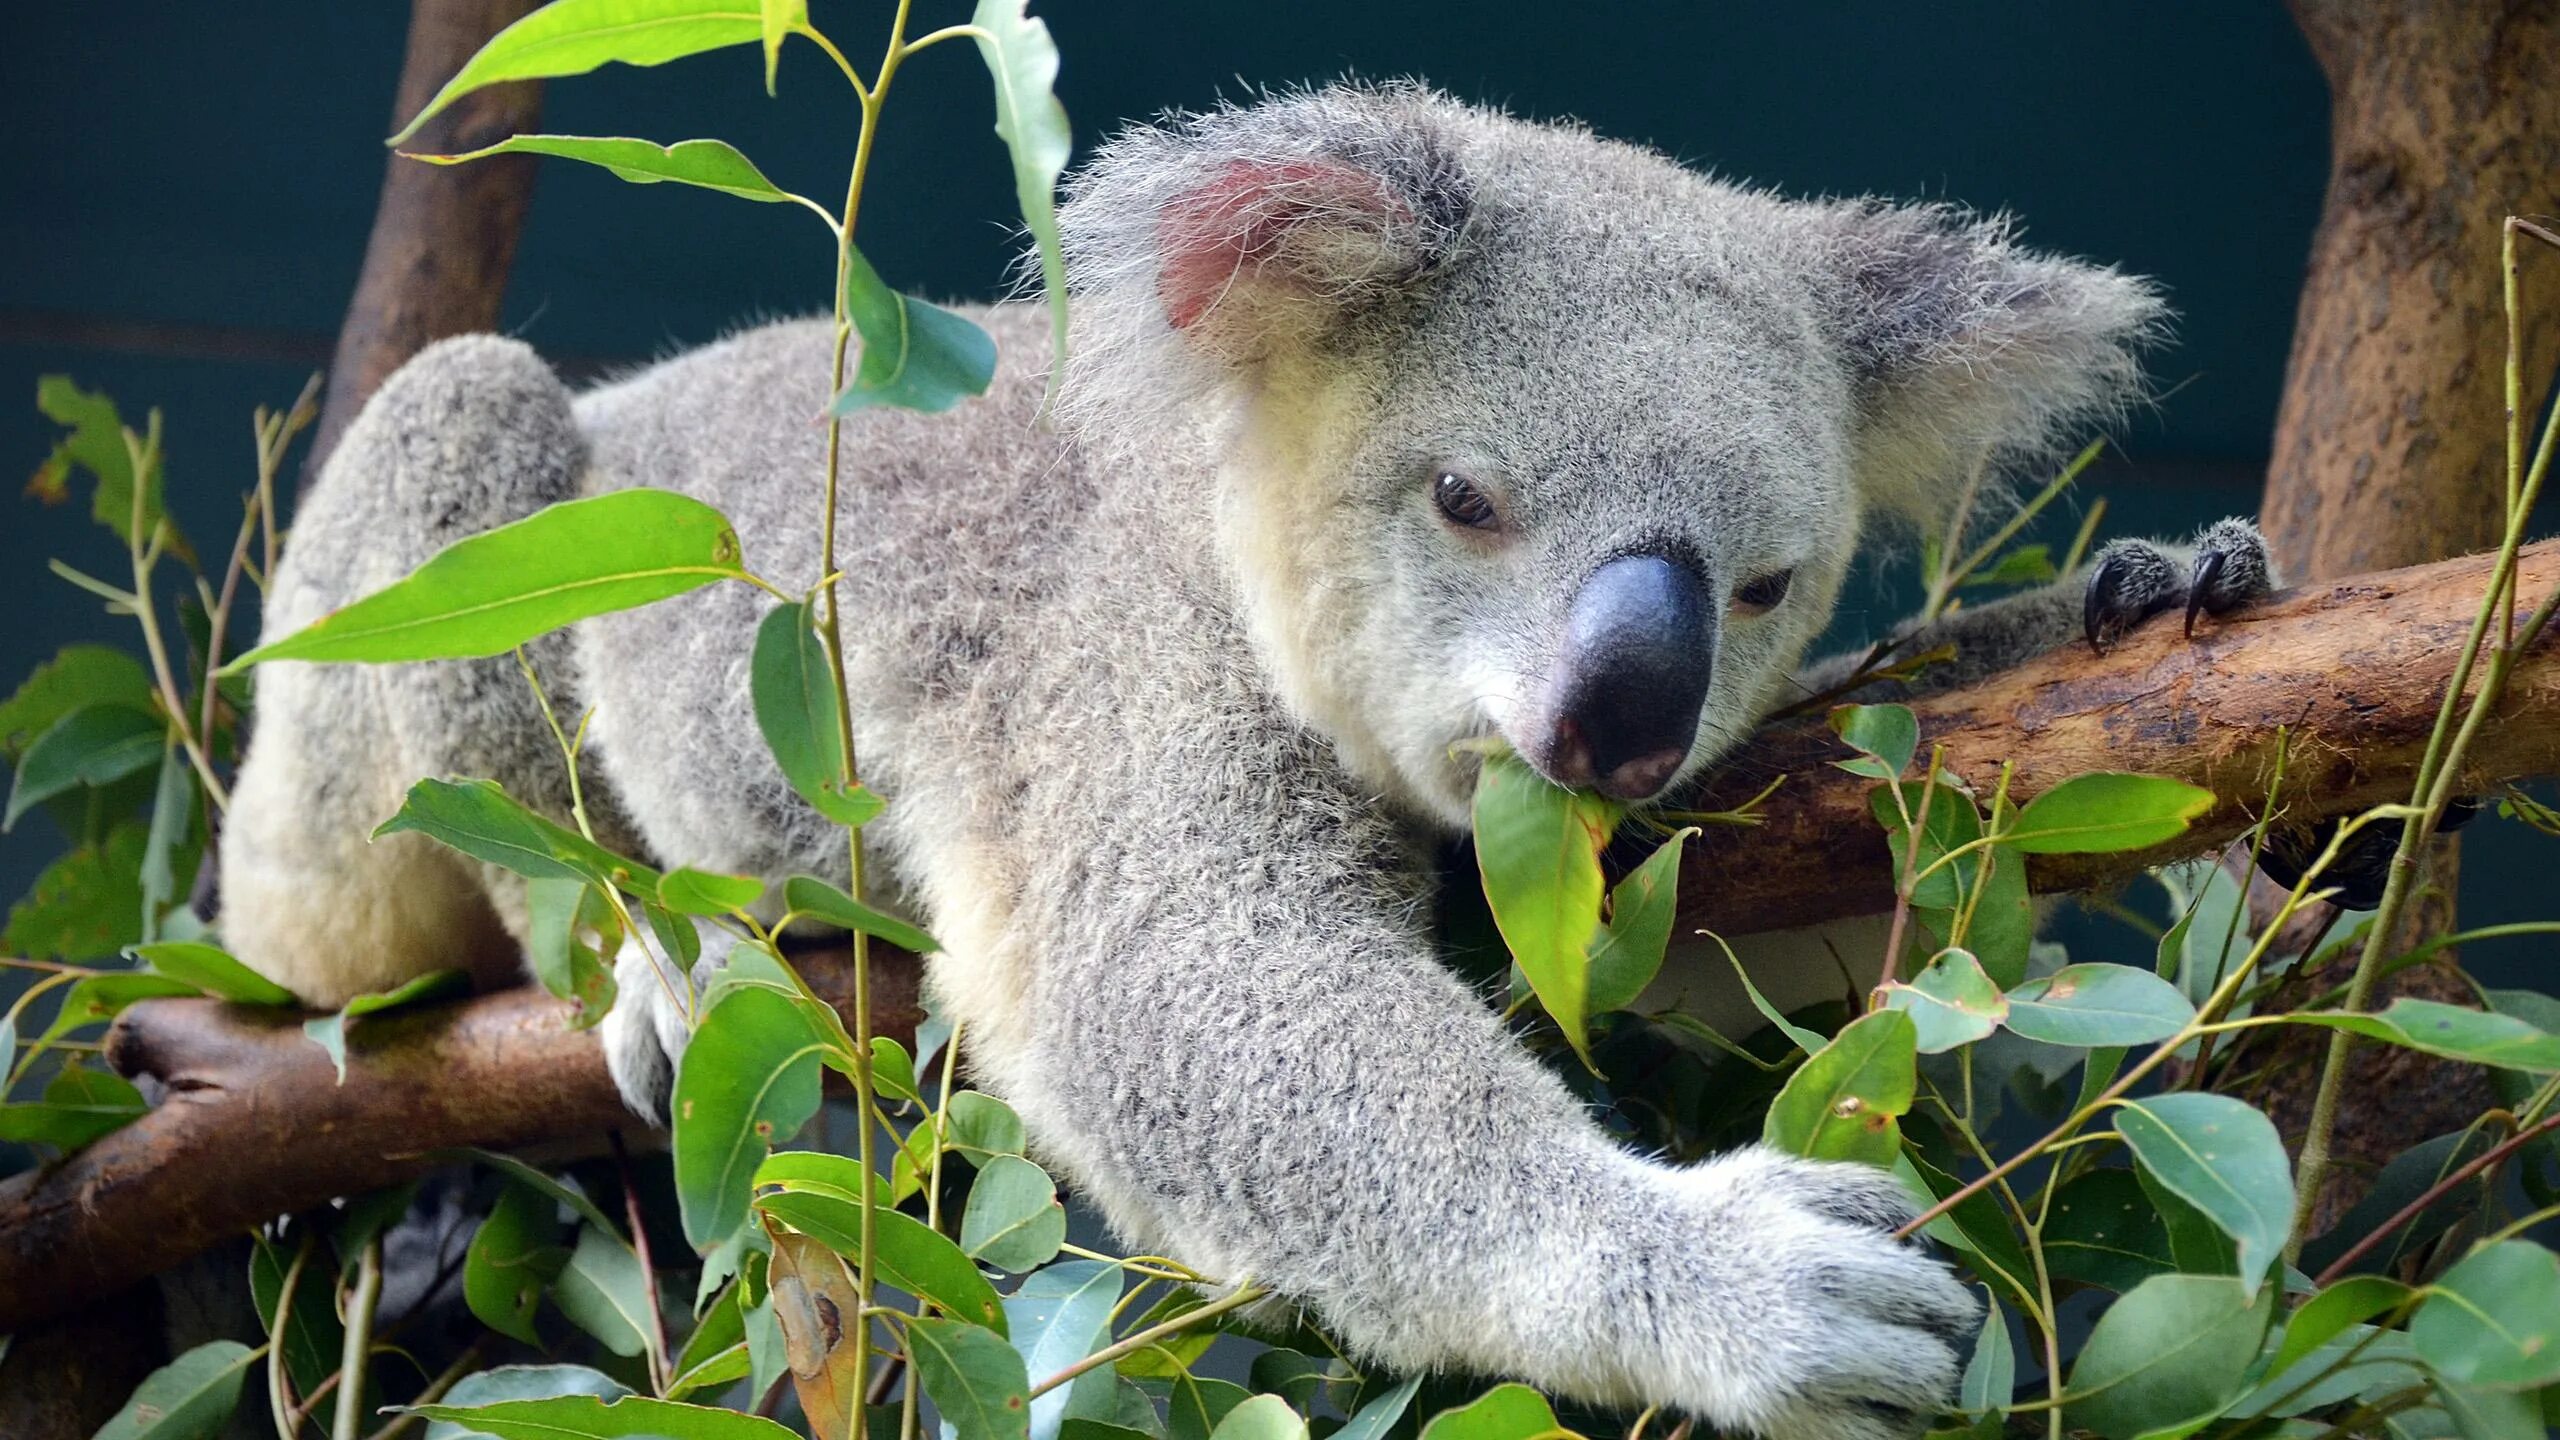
point(1971, 351)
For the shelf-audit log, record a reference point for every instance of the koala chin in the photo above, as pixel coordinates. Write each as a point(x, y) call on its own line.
point(1391, 423)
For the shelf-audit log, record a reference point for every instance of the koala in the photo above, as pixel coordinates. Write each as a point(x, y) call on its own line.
point(1391, 424)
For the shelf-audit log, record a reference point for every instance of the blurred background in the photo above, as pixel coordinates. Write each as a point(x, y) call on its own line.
point(186, 202)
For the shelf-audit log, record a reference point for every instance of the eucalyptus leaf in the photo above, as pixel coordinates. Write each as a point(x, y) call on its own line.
point(976, 1380)
point(1991, 1376)
point(1022, 61)
point(1951, 1002)
point(519, 1382)
point(2494, 1320)
point(815, 899)
point(632, 1416)
point(572, 37)
point(1505, 1412)
point(2457, 1032)
point(1264, 1417)
point(514, 1256)
point(78, 1107)
point(908, 1253)
point(1013, 1221)
point(2107, 811)
point(210, 969)
point(2084, 1006)
point(1627, 952)
point(1057, 1317)
point(801, 713)
point(190, 1398)
point(2104, 1231)
point(76, 676)
point(1887, 735)
point(915, 356)
point(1841, 1103)
point(95, 745)
point(484, 822)
point(705, 164)
point(2352, 1301)
point(1538, 847)
point(1373, 1419)
point(688, 891)
point(2221, 1156)
point(747, 1081)
point(100, 998)
point(604, 1292)
point(2175, 1350)
point(329, 1032)
point(313, 1336)
point(97, 444)
point(983, 1127)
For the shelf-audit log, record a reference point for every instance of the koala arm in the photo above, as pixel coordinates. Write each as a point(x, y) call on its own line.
point(1257, 1063)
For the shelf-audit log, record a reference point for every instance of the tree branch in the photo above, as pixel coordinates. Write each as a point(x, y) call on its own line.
point(255, 1124)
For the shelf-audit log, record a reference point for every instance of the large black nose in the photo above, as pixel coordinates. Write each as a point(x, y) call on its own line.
point(1639, 649)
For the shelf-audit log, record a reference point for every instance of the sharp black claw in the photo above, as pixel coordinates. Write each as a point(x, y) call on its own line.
point(2208, 569)
point(2094, 606)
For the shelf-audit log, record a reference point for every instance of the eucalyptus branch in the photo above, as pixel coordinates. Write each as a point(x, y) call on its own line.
point(1245, 1293)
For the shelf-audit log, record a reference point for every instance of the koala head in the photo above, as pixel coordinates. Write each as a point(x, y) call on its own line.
point(1523, 433)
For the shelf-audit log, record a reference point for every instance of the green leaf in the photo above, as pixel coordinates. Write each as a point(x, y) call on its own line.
point(79, 1105)
point(1976, 1226)
point(1951, 823)
point(1627, 953)
point(565, 964)
point(572, 37)
point(1991, 1376)
point(819, 1173)
point(779, 18)
point(1371, 1421)
point(748, 1081)
point(2092, 1005)
point(101, 998)
point(2479, 1414)
point(2456, 1032)
point(329, 1032)
point(1841, 1103)
point(488, 593)
point(86, 905)
point(909, 1253)
point(486, 823)
point(1951, 1002)
point(77, 676)
point(2352, 1301)
point(576, 1415)
point(688, 891)
point(605, 1293)
point(2221, 1156)
point(982, 1127)
point(817, 900)
point(519, 1382)
point(975, 1379)
point(525, 1175)
point(1886, 734)
point(2177, 1349)
point(514, 1256)
point(1023, 62)
point(209, 969)
point(1538, 848)
point(1505, 1412)
point(1197, 1404)
point(94, 745)
point(1014, 1221)
point(915, 356)
point(313, 1337)
point(174, 845)
point(706, 164)
point(2107, 811)
point(2026, 565)
point(2105, 1232)
point(1055, 1318)
point(190, 1398)
point(2494, 1320)
point(1264, 1417)
point(97, 444)
point(801, 713)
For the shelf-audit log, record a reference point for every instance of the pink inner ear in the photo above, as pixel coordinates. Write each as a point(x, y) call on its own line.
point(1243, 216)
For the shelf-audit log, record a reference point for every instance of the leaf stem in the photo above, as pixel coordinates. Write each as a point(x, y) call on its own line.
point(357, 1353)
point(1245, 1293)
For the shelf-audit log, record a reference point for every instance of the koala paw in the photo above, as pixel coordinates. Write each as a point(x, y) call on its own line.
point(651, 1021)
point(1859, 1336)
point(2133, 580)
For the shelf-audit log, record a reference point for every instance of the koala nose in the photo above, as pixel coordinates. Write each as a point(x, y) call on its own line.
point(1639, 648)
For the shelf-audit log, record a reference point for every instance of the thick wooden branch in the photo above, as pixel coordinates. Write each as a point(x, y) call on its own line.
point(255, 1124)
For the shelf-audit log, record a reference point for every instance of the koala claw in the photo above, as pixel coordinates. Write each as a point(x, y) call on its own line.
point(2133, 580)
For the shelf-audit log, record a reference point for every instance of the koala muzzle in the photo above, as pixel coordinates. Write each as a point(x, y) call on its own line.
point(1631, 677)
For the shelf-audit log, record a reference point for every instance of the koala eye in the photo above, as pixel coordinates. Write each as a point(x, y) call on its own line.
point(1762, 593)
point(1463, 502)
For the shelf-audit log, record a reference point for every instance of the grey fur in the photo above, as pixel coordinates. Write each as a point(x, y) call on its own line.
point(1165, 700)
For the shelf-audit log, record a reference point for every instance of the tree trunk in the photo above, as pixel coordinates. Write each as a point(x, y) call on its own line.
point(2391, 444)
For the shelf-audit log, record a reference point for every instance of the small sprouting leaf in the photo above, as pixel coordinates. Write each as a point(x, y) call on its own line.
point(514, 1256)
point(94, 745)
point(79, 1106)
point(1057, 1317)
point(748, 1081)
point(2221, 1156)
point(1886, 735)
point(2352, 1301)
point(2104, 1231)
point(97, 444)
point(706, 164)
point(801, 714)
point(779, 18)
point(77, 675)
point(2456, 1032)
point(604, 1292)
point(688, 891)
point(815, 899)
point(974, 1378)
point(190, 1398)
point(572, 37)
point(1014, 1221)
point(2494, 1319)
point(1841, 1103)
point(488, 593)
point(1627, 952)
point(1505, 1412)
point(1538, 847)
point(915, 355)
point(911, 1254)
point(893, 1073)
point(1023, 62)
point(581, 1414)
point(210, 969)
point(982, 1127)
point(1991, 1376)
point(2107, 811)
point(2175, 1350)
point(486, 823)
point(329, 1032)
point(2089, 1005)
point(1264, 1417)
point(1951, 1002)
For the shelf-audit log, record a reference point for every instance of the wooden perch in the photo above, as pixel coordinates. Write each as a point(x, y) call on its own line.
point(255, 1124)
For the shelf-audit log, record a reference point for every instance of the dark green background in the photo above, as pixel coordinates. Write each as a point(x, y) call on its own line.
point(185, 194)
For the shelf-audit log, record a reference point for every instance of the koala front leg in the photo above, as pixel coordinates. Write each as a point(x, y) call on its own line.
point(1239, 1042)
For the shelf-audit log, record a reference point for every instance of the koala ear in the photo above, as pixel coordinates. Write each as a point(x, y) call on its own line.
point(1262, 251)
point(1968, 350)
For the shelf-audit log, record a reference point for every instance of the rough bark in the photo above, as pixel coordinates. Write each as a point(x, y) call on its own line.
point(256, 1124)
point(2391, 443)
point(443, 236)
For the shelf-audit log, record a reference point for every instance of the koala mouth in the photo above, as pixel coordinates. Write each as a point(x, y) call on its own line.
point(1630, 679)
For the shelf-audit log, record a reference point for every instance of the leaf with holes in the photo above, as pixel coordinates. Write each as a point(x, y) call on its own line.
point(1951, 1002)
point(1842, 1102)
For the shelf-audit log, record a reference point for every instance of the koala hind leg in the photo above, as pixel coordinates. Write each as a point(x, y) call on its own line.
point(472, 434)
